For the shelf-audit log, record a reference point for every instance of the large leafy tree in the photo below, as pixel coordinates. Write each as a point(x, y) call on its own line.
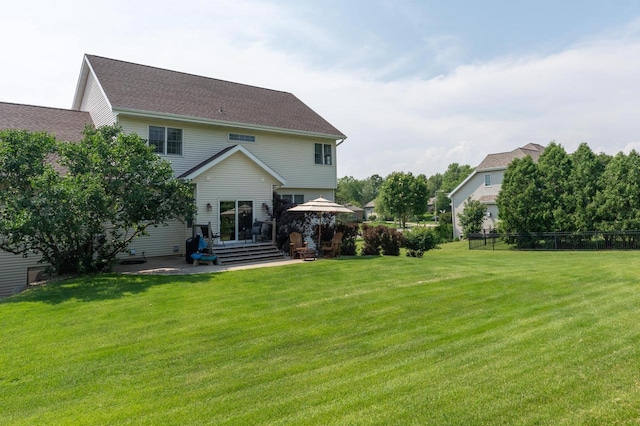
point(349, 190)
point(451, 178)
point(617, 203)
point(472, 216)
point(111, 190)
point(403, 195)
point(371, 188)
point(520, 199)
point(584, 182)
point(554, 166)
point(358, 192)
point(455, 174)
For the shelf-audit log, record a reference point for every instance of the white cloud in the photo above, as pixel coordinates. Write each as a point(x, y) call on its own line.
point(587, 93)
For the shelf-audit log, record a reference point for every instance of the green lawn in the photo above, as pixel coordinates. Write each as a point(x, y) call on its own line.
point(456, 337)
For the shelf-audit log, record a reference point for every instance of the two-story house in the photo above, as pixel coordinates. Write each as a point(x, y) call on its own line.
point(484, 185)
point(236, 143)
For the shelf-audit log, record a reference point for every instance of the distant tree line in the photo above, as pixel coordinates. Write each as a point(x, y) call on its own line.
point(575, 192)
point(402, 195)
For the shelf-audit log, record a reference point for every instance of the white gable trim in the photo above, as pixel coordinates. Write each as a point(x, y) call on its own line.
point(82, 85)
point(463, 183)
point(228, 154)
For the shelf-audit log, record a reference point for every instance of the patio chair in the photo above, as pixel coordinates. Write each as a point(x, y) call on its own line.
point(295, 243)
point(256, 231)
point(333, 248)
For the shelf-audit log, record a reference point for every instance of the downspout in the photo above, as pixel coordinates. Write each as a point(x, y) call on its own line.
point(337, 145)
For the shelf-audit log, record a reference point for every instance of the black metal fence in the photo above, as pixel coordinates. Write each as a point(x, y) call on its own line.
point(614, 240)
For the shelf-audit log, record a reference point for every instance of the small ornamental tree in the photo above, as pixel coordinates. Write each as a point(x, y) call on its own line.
point(403, 195)
point(472, 216)
point(112, 189)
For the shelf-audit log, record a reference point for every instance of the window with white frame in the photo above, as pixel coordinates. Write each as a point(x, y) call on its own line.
point(293, 198)
point(322, 154)
point(487, 179)
point(166, 140)
point(241, 138)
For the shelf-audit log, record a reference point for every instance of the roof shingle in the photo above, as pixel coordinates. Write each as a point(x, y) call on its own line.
point(503, 159)
point(66, 125)
point(130, 86)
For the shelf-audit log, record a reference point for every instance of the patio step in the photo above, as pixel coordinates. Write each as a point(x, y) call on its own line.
point(247, 253)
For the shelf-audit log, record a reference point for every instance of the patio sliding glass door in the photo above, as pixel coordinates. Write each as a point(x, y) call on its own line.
point(236, 218)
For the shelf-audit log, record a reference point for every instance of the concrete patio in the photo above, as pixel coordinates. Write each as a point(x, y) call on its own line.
point(176, 265)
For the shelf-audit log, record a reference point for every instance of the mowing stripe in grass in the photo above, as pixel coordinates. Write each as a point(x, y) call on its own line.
point(458, 337)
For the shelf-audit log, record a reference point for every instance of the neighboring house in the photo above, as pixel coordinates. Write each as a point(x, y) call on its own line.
point(236, 143)
point(431, 204)
point(358, 213)
point(484, 185)
point(369, 209)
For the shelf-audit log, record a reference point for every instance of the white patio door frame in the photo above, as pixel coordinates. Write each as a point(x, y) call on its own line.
point(235, 219)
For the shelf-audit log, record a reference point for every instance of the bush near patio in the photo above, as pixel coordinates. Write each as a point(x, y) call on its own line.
point(419, 240)
point(381, 239)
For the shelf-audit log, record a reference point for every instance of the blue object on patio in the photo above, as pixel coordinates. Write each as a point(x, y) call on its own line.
point(203, 257)
point(202, 244)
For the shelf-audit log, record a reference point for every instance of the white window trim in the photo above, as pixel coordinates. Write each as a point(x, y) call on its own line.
point(164, 152)
point(324, 157)
point(255, 138)
point(293, 197)
point(490, 180)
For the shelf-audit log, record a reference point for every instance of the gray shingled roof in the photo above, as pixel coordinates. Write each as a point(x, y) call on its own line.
point(130, 86)
point(65, 124)
point(493, 161)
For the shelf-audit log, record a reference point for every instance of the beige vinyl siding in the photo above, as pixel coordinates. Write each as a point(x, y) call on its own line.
point(13, 277)
point(292, 157)
point(159, 242)
point(309, 194)
point(236, 178)
point(94, 102)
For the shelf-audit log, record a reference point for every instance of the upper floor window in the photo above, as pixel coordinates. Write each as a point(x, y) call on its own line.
point(322, 154)
point(166, 140)
point(487, 179)
point(241, 138)
point(293, 199)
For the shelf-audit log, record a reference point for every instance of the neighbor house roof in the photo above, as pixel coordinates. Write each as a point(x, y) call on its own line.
point(133, 88)
point(66, 125)
point(503, 159)
point(354, 208)
point(370, 204)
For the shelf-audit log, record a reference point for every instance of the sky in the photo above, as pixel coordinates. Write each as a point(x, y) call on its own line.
point(415, 85)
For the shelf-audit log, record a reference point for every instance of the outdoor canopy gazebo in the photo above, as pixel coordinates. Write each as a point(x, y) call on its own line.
point(320, 205)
